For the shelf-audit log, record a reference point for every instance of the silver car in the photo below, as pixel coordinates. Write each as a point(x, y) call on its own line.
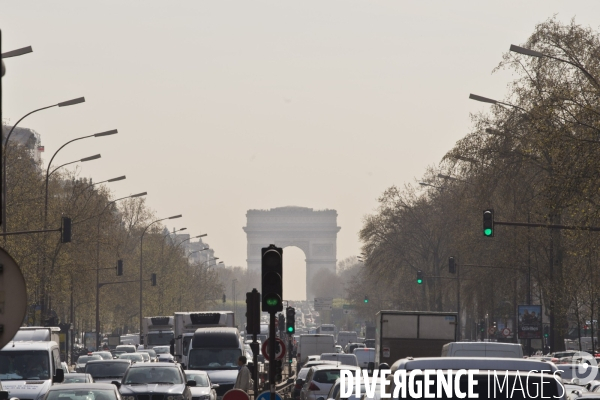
point(321, 378)
point(203, 390)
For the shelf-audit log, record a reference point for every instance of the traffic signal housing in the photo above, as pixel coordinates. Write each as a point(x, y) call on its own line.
point(488, 223)
point(65, 230)
point(366, 299)
point(253, 312)
point(290, 320)
point(546, 331)
point(451, 265)
point(272, 279)
point(224, 298)
point(419, 277)
point(153, 279)
point(119, 267)
point(278, 364)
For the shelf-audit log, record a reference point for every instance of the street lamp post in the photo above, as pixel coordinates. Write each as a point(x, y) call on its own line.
point(61, 104)
point(142, 263)
point(98, 263)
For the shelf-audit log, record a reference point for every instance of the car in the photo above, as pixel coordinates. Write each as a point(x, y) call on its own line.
point(299, 382)
point(334, 392)
point(346, 359)
point(129, 348)
point(349, 349)
point(166, 357)
point(65, 367)
point(151, 353)
point(203, 390)
point(96, 391)
point(321, 378)
point(106, 355)
point(152, 380)
point(107, 370)
point(78, 378)
point(117, 353)
point(82, 360)
point(338, 349)
point(134, 357)
point(162, 349)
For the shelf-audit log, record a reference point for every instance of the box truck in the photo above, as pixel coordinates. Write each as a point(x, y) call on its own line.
point(157, 331)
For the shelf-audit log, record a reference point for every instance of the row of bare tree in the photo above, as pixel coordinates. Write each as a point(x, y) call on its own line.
point(61, 277)
point(533, 157)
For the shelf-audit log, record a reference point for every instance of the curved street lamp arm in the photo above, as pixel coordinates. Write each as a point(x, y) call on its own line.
point(60, 148)
point(17, 123)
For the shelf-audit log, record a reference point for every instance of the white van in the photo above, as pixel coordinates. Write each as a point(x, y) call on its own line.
point(345, 337)
point(311, 345)
point(28, 369)
point(364, 356)
point(345, 359)
point(482, 349)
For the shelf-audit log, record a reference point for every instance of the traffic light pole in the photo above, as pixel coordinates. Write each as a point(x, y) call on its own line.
point(272, 360)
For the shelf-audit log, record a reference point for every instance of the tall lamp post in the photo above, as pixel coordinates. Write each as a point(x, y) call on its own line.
point(142, 264)
point(61, 104)
point(48, 173)
point(98, 263)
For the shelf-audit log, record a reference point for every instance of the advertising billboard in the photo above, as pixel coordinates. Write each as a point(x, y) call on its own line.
point(530, 322)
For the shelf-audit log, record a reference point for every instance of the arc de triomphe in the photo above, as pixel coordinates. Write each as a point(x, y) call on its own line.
point(314, 232)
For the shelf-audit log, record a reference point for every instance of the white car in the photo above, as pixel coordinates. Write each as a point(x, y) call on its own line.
point(203, 390)
point(321, 378)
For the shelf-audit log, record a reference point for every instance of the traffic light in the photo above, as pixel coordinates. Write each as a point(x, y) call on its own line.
point(366, 299)
point(65, 230)
point(253, 312)
point(488, 223)
point(419, 277)
point(224, 298)
point(281, 324)
point(546, 331)
point(278, 370)
point(272, 281)
point(153, 279)
point(451, 265)
point(290, 319)
point(119, 267)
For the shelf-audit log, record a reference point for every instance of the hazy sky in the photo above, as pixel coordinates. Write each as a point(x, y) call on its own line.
point(224, 106)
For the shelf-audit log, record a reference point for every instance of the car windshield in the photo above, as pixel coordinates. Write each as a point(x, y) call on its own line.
point(201, 379)
point(158, 338)
point(326, 376)
point(162, 349)
point(81, 394)
point(214, 358)
point(132, 357)
point(27, 364)
point(104, 355)
point(165, 375)
point(74, 379)
point(85, 359)
point(106, 370)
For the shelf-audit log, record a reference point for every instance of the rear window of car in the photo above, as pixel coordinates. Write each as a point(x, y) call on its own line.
point(326, 376)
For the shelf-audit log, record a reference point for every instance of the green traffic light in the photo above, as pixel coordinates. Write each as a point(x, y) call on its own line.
point(419, 281)
point(487, 232)
point(366, 300)
point(290, 329)
point(272, 301)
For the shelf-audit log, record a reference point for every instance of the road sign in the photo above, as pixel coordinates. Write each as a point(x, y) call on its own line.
point(236, 394)
point(13, 297)
point(492, 330)
point(506, 332)
point(279, 349)
point(323, 303)
point(267, 396)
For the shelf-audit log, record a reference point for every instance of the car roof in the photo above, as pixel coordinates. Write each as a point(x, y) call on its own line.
point(114, 360)
point(157, 364)
point(334, 366)
point(196, 371)
point(72, 386)
point(482, 363)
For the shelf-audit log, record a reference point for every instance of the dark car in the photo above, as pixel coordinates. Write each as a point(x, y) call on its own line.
point(107, 370)
point(97, 391)
point(82, 360)
point(299, 383)
point(78, 378)
point(150, 380)
point(151, 353)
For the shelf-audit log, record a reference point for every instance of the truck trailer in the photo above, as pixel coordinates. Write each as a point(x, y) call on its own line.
point(401, 334)
point(186, 324)
point(157, 331)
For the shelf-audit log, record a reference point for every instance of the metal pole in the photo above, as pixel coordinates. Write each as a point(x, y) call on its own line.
point(458, 300)
point(272, 360)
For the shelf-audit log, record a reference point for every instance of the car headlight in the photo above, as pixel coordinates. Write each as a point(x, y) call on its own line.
point(177, 397)
point(128, 397)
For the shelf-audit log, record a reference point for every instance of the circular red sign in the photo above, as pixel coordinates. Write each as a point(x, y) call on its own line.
point(279, 349)
point(236, 394)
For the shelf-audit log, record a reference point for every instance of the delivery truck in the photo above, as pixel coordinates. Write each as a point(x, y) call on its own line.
point(157, 331)
point(186, 324)
point(314, 345)
point(401, 334)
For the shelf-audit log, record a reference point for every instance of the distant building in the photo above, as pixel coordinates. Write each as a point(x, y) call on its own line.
point(26, 137)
